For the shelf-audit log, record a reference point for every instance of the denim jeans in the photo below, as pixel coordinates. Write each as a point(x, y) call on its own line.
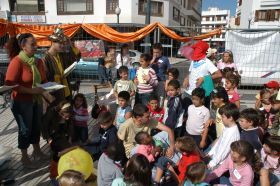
point(142, 98)
point(102, 73)
point(81, 133)
point(28, 116)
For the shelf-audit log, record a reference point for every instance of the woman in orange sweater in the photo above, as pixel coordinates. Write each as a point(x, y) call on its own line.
point(26, 71)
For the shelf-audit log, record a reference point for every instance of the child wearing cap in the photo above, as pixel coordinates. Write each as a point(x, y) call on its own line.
point(272, 87)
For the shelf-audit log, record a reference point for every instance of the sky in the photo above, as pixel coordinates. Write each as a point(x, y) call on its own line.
point(221, 4)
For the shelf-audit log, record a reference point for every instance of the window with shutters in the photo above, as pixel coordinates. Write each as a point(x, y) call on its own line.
point(156, 8)
point(176, 14)
point(72, 7)
point(111, 6)
point(27, 6)
point(237, 21)
point(182, 21)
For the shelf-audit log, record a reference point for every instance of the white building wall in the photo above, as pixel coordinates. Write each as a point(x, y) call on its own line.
point(99, 13)
point(213, 13)
point(4, 5)
point(247, 12)
point(129, 13)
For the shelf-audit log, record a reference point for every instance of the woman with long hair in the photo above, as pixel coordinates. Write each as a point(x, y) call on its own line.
point(26, 71)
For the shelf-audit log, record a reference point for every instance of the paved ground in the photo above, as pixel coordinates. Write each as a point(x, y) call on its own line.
point(8, 136)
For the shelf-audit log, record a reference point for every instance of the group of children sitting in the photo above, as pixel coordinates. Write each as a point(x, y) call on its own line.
point(216, 145)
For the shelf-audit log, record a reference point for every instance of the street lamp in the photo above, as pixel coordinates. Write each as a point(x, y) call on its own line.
point(118, 12)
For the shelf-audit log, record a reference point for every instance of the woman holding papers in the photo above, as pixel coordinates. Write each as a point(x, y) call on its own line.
point(26, 71)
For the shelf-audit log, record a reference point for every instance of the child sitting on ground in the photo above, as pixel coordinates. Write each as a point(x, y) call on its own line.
point(57, 130)
point(124, 84)
point(272, 87)
point(155, 111)
point(107, 135)
point(173, 116)
point(187, 147)
point(231, 85)
point(124, 111)
point(71, 177)
point(221, 148)
point(80, 118)
point(249, 122)
point(198, 115)
point(270, 155)
point(241, 164)
point(146, 80)
point(146, 147)
point(108, 170)
point(275, 126)
point(266, 106)
point(195, 175)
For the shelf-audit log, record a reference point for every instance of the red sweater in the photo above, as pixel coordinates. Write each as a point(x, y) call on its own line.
point(185, 161)
point(157, 114)
point(19, 73)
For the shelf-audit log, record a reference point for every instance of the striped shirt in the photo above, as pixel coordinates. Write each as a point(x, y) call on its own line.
point(81, 116)
point(143, 86)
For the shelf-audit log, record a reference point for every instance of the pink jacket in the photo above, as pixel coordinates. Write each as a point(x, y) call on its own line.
point(239, 176)
point(146, 150)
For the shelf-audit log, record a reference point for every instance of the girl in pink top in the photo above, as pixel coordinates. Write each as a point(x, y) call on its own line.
point(231, 84)
point(270, 155)
point(146, 147)
point(226, 61)
point(240, 164)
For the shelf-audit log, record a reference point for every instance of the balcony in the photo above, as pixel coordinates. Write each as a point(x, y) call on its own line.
point(269, 3)
point(222, 22)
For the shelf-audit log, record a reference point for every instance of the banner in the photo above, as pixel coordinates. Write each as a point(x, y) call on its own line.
point(256, 54)
point(100, 31)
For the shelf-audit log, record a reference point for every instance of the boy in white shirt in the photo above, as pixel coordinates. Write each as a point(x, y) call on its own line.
point(198, 114)
point(221, 148)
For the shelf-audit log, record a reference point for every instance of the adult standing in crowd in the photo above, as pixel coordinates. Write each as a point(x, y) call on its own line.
point(56, 62)
point(160, 64)
point(123, 58)
point(201, 70)
point(26, 71)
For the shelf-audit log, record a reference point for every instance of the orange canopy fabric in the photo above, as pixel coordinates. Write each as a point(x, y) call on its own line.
point(101, 31)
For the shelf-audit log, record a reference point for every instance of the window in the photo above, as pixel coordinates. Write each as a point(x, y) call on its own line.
point(156, 8)
point(111, 6)
point(74, 7)
point(207, 18)
point(183, 3)
point(267, 15)
point(176, 14)
point(182, 21)
point(218, 18)
point(237, 21)
point(239, 2)
point(27, 5)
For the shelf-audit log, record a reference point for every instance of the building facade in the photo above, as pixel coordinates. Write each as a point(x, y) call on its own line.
point(261, 14)
point(215, 18)
point(167, 12)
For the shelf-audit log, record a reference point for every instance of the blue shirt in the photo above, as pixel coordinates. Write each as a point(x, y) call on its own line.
point(161, 67)
point(188, 183)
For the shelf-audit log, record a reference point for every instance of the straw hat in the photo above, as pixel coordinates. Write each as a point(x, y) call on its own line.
point(58, 36)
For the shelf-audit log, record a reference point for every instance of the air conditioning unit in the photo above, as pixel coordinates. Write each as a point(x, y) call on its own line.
point(5, 14)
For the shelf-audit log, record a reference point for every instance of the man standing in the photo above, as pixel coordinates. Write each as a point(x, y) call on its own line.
point(201, 70)
point(160, 64)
